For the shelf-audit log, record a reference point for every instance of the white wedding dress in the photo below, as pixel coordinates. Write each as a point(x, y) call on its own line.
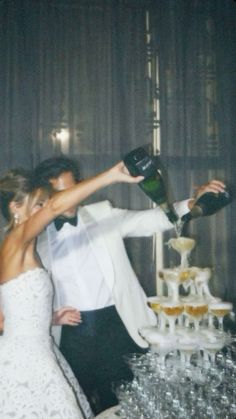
point(35, 380)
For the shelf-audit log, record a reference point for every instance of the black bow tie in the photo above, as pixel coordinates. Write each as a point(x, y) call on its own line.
point(59, 222)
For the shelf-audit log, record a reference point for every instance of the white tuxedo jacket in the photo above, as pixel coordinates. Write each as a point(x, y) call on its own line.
point(109, 227)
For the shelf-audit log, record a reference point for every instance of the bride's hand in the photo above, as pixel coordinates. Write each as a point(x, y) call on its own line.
point(66, 315)
point(1, 321)
point(120, 173)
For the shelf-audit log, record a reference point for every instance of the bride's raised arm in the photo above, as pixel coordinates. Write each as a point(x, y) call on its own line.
point(63, 200)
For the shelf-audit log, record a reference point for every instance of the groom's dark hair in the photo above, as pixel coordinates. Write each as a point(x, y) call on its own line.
point(52, 168)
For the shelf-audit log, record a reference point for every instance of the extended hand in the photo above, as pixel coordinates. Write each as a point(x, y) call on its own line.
point(120, 173)
point(67, 315)
point(213, 185)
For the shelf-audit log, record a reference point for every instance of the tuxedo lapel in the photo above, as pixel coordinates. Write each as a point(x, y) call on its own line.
point(99, 245)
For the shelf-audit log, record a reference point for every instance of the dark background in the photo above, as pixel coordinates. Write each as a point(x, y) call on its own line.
point(117, 74)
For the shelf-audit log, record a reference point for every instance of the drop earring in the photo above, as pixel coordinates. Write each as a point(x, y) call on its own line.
point(16, 218)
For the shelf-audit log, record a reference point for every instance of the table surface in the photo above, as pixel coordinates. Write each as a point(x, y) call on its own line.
point(109, 413)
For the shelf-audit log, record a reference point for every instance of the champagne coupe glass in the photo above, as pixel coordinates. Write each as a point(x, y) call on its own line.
point(186, 349)
point(219, 310)
point(174, 278)
point(202, 276)
point(187, 277)
point(171, 277)
point(155, 304)
point(196, 310)
point(183, 245)
point(162, 348)
point(211, 348)
point(172, 310)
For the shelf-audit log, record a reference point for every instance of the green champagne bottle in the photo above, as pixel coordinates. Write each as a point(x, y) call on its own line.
point(209, 203)
point(139, 162)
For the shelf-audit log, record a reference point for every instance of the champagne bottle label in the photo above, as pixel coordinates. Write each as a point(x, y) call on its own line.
point(139, 163)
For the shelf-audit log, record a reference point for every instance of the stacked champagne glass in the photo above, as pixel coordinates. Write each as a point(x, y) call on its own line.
point(190, 369)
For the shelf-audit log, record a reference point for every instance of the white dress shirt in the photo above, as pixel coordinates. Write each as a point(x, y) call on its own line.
point(76, 272)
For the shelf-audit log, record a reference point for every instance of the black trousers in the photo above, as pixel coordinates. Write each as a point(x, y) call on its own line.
point(94, 349)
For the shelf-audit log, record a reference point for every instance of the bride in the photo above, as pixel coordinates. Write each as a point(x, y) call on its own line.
point(35, 380)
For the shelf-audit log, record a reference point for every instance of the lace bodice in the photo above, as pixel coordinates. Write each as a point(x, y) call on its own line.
point(27, 304)
point(35, 380)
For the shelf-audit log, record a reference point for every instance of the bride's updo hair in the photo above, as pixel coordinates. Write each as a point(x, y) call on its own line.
point(14, 186)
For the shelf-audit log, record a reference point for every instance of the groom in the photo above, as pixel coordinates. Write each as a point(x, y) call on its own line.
point(85, 252)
